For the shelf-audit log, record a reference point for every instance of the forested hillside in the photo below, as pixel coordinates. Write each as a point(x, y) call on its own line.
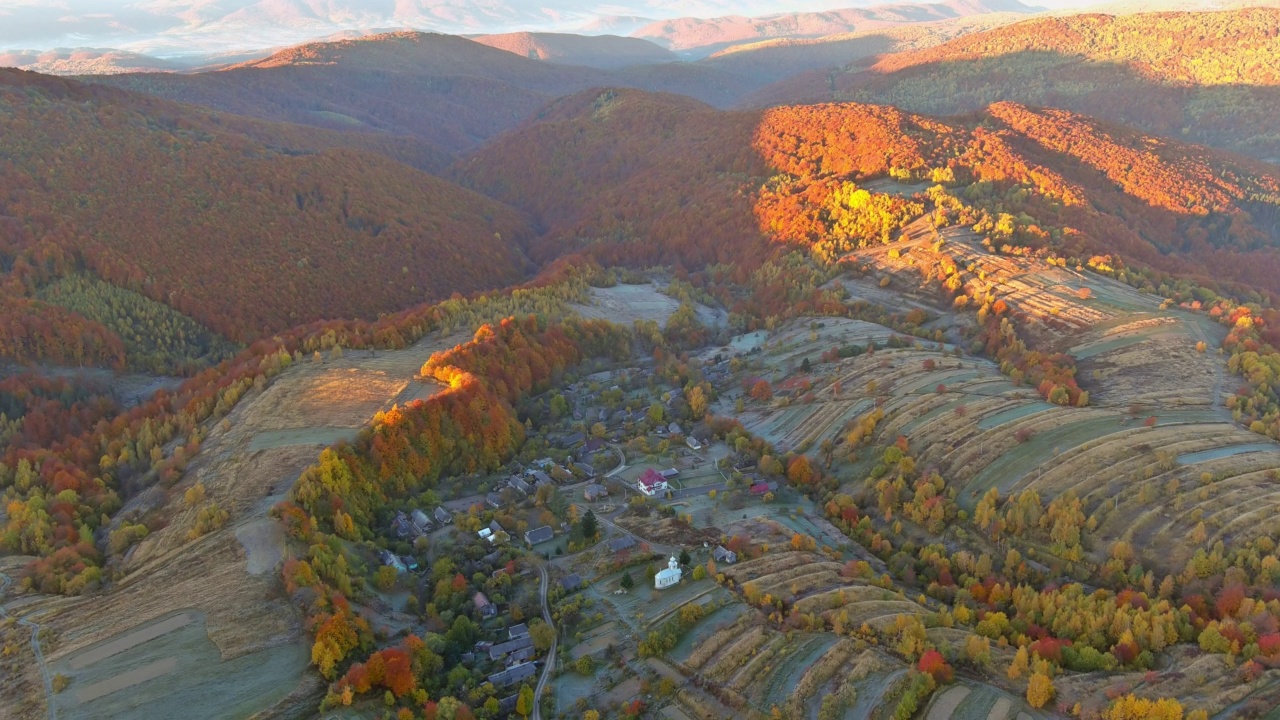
point(650, 179)
point(771, 60)
point(599, 51)
point(248, 238)
point(642, 178)
point(449, 91)
point(702, 35)
point(1207, 77)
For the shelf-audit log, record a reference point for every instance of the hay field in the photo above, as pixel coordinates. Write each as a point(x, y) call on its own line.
point(228, 577)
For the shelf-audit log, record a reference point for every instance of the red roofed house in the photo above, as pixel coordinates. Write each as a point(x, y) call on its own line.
point(651, 483)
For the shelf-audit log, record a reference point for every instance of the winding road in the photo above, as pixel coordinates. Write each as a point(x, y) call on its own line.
point(549, 669)
point(5, 581)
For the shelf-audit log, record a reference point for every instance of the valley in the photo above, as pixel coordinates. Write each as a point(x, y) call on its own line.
point(916, 362)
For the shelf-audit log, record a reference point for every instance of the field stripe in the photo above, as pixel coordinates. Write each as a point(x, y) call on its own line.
point(135, 638)
point(120, 682)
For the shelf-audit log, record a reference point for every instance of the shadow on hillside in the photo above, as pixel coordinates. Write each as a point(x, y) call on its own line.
point(1242, 118)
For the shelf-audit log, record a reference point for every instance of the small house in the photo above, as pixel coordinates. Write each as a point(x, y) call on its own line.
point(575, 440)
point(674, 429)
point(669, 473)
point(401, 527)
point(483, 606)
point(515, 632)
point(586, 468)
point(493, 500)
point(693, 443)
point(443, 516)
point(724, 555)
point(594, 445)
point(571, 583)
point(501, 650)
point(540, 478)
point(651, 483)
point(761, 488)
point(519, 485)
point(621, 543)
point(595, 492)
point(421, 522)
point(539, 535)
point(513, 675)
point(389, 558)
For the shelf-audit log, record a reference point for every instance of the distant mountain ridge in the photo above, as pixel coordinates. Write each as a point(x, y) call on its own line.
point(176, 27)
point(247, 227)
point(700, 36)
point(606, 52)
point(1211, 78)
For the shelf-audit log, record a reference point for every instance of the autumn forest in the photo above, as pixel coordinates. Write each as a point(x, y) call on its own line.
point(956, 369)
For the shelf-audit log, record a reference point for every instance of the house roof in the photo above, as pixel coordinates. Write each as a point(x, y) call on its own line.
point(517, 631)
point(513, 674)
point(621, 543)
point(443, 515)
point(538, 535)
point(502, 649)
point(480, 599)
point(651, 479)
point(572, 582)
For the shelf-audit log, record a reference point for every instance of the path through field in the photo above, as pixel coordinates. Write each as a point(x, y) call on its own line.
point(5, 581)
point(229, 577)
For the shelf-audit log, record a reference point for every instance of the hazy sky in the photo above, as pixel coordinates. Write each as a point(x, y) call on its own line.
point(176, 26)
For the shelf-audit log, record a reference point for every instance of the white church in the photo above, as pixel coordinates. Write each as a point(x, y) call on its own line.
point(670, 576)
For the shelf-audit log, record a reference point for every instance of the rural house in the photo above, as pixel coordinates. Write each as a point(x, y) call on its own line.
point(539, 535)
point(723, 555)
point(483, 606)
point(622, 543)
point(651, 483)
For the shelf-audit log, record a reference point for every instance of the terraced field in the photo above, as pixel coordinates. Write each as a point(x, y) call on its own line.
point(1150, 458)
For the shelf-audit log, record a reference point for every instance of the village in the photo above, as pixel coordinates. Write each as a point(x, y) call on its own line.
point(620, 494)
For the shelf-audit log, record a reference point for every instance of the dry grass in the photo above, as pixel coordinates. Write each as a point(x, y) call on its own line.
point(168, 572)
point(819, 673)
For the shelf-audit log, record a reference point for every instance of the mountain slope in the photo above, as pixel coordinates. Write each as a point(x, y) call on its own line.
point(451, 92)
point(656, 179)
point(700, 37)
point(248, 239)
point(1209, 77)
point(637, 177)
point(606, 52)
point(769, 61)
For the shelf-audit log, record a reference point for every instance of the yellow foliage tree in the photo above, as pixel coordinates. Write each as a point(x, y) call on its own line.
point(1040, 691)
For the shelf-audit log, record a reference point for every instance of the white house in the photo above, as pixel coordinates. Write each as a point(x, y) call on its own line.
point(651, 483)
point(670, 576)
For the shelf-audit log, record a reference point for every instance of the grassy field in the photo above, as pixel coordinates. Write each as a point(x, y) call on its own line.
point(228, 577)
point(163, 668)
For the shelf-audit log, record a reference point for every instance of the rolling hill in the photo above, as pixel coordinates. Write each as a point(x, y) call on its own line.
point(449, 91)
point(696, 36)
point(1205, 77)
point(769, 61)
point(250, 237)
point(606, 52)
point(643, 178)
